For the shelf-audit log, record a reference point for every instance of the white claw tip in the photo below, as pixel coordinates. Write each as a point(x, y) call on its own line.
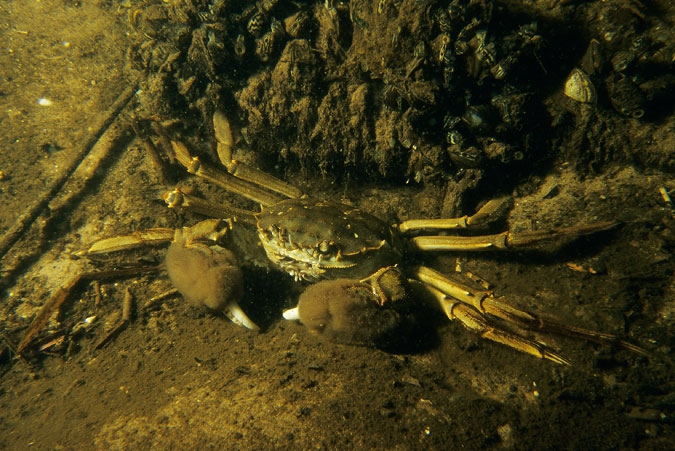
point(237, 316)
point(291, 314)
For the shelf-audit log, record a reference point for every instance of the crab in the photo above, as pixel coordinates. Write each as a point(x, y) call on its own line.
point(355, 260)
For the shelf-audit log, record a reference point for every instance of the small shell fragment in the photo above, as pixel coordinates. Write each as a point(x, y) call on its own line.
point(44, 102)
point(579, 87)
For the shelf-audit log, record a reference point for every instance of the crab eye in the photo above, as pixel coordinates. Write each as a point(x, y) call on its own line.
point(325, 246)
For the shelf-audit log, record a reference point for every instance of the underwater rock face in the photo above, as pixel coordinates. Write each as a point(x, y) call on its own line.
point(389, 98)
point(401, 90)
point(405, 90)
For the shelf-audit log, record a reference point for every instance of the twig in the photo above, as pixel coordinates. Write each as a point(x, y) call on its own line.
point(61, 295)
point(127, 306)
point(26, 219)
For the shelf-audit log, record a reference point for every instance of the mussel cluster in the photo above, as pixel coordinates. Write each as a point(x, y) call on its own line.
point(622, 86)
point(633, 74)
point(402, 89)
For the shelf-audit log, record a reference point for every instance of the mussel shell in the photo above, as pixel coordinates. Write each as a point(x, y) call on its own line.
point(626, 97)
point(622, 60)
point(466, 157)
point(579, 87)
point(592, 61)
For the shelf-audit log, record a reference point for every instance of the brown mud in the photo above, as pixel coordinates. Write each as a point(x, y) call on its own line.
point(349, 106)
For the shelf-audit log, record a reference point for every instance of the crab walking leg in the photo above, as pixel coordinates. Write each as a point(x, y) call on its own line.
point(483, 301)
point(254, 175)
point(142, 238)
point(494, 209)
point(476, 322)
point(486, 302)
point(223, 179)
point(506, 240)
point(241, 179)
point(179, 199)
point(210, 229)
point(225, 142)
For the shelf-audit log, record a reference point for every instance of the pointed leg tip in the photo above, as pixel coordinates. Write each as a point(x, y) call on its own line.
point(557, 358)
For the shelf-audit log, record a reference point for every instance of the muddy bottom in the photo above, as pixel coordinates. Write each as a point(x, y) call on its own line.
point(180, 377)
